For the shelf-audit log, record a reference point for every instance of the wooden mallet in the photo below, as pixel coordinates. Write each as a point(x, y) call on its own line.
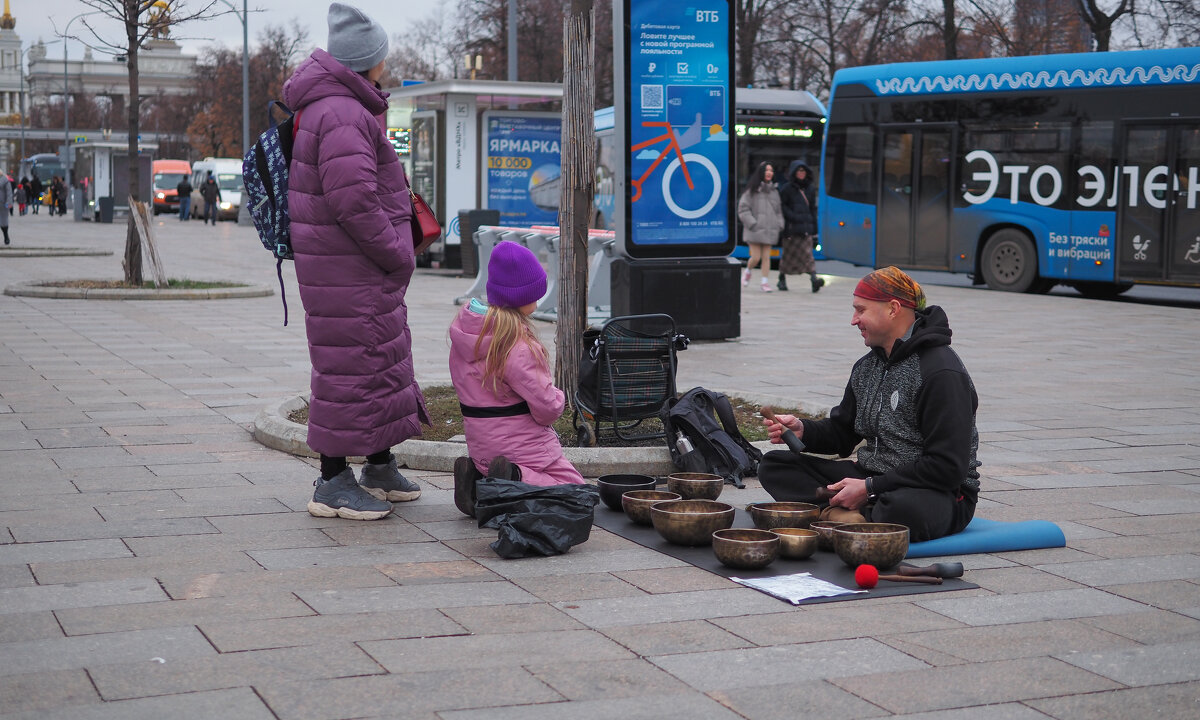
point(789, 438)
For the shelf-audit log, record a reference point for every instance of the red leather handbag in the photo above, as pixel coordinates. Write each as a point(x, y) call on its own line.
point(425, 226)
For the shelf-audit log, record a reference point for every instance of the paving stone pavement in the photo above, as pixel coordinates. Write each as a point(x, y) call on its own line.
point(155, 561)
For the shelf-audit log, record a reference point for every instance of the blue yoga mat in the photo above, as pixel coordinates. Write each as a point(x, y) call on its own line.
point(986, 536)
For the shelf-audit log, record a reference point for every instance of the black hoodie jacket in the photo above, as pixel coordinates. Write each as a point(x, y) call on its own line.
point(916, 410)
point(798, 200)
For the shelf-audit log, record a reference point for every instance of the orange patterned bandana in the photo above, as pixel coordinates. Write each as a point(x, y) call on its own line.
point(891, 283)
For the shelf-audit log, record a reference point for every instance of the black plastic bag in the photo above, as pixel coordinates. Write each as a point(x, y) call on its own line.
point(535, 520)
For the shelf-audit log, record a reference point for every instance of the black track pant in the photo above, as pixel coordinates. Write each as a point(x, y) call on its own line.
point(929, 514)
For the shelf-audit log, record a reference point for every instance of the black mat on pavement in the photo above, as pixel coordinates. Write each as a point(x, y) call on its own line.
point(824, 565)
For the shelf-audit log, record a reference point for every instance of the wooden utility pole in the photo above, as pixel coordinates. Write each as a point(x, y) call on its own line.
point(578, 189)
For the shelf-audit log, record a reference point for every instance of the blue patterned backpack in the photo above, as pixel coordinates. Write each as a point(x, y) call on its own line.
point(265, 176)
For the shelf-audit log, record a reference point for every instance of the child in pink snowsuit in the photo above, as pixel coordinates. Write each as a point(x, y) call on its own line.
point(501, 372)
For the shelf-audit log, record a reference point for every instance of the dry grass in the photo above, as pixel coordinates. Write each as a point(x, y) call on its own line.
point(442, 403)
point(172, 284)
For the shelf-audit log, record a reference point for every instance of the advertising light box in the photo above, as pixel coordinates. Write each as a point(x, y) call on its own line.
point(676, 115)
point(523, 175)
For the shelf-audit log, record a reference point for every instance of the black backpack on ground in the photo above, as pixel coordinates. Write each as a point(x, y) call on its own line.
point(706, 419)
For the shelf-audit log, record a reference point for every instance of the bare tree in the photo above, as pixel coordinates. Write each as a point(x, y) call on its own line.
point(578, 189)
point(830, 34)
point(139, 20)
point(1184, 20)
point(750, 18)
point(1102, 22)
point(427, 50)
point(215, 126)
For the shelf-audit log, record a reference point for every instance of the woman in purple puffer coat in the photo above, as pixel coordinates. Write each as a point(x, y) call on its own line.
point(350, 212)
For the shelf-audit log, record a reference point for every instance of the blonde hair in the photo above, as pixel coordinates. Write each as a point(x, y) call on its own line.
point(508, 326)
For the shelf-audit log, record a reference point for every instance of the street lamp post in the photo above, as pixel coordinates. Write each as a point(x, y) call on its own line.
point(21, 95)
point(243, 210)
point(67, 103)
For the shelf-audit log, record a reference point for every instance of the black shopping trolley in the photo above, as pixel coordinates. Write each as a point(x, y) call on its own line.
point(626, 373)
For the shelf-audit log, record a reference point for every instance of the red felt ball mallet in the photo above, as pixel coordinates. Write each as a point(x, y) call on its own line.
point(866, 576)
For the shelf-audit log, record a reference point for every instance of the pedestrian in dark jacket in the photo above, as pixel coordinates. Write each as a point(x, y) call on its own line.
point(211, 192)
point(798, 198)
point(36, 189)
point(350, 222)
point(184, 192)
point(913, 402)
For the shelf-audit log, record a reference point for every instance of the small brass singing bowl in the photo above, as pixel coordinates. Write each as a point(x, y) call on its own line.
point(796, 543)
point(771, 515)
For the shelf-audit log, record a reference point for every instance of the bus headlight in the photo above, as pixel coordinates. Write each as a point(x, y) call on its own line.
point(226, 206)
point(160, 196)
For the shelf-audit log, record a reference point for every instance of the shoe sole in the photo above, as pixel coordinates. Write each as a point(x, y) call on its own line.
point(392, 495)
point(462, 492)
point(317, 509)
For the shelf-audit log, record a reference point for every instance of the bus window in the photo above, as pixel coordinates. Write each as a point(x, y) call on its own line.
point(849, 165)
point(1027, 167)
point(1096, 164)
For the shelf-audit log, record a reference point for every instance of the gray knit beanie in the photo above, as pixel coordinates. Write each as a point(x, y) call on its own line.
point(355, 40)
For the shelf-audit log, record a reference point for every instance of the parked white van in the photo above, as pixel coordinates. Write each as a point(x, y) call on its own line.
point(228, 174)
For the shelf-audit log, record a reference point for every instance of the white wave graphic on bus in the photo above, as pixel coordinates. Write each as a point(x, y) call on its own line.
point(1039, 80)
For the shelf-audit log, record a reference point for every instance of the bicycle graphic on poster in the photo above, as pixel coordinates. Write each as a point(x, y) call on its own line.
point(677, 144)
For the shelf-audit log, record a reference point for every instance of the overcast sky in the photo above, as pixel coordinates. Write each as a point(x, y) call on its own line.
point(37, 19)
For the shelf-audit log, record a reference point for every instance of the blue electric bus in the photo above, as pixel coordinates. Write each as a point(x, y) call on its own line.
point(1027, 172)
point(777, 126)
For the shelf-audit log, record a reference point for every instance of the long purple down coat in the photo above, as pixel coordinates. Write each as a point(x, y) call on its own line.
point(350, 213)
point(527, 440)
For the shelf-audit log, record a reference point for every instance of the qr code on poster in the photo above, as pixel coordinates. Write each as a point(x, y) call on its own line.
point(652, 97)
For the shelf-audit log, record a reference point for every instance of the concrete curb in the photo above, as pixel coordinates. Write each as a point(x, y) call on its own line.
point(68, 293)
point(50, 252)
point(273, 429)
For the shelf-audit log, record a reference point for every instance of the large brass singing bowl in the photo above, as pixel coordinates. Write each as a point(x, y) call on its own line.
point(771, 515)
point(880, 544)
point(796, 543)
point(745, 549)
point(690, 522)
point(636, 503)
point(696, 486)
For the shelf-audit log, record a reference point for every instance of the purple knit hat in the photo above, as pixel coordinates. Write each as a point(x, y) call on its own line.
point(515, 277)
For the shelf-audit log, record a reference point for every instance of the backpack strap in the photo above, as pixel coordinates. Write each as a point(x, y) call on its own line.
point(725, 414)
point(282, 296)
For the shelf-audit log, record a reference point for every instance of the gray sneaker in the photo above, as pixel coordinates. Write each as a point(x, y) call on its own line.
point(341, 496)
point(386, 483)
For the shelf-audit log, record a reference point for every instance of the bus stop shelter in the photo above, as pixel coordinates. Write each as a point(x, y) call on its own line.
point(468, 138)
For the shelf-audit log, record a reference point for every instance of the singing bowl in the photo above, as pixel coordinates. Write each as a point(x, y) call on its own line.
point(696, 486)
point(771, 515)
point(745, 549)
point(612, 487)
point(690, 522)
point(824, 530)
point(636, 503)
point(796, 543)
point(880, 544)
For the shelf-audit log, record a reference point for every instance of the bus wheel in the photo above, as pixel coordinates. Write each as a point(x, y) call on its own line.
point(1101, 290)
point(1008, 262)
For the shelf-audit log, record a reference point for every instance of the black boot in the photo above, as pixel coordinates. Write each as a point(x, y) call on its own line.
point(818, 282)
point(782, 284)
